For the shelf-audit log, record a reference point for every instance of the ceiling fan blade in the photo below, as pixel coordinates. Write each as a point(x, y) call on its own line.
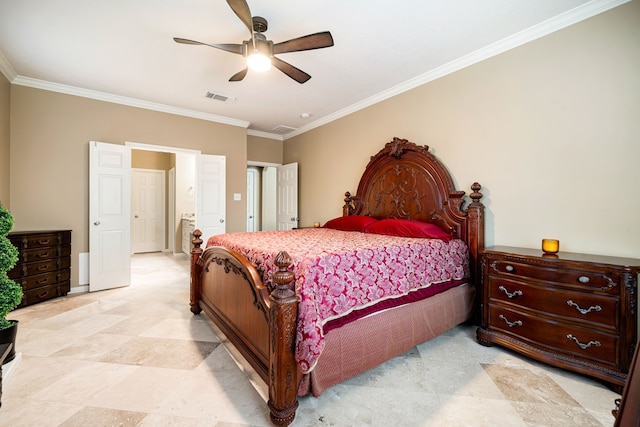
point(239, 75)
point(291, 71)
point(241, 9)
point(233, 48)
point(312, 41)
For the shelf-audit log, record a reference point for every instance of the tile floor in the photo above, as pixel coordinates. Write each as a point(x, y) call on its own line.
point(136, 356)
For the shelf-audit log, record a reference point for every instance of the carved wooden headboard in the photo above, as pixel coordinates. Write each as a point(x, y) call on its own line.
point(405, 180)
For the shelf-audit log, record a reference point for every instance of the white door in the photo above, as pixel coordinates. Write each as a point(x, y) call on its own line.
point(109, 216)
point(287, 195)
point(252, 193)
point(210, 195)
point(148, 209)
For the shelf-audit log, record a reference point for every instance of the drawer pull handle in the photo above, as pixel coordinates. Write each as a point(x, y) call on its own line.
point(510, 324)
point(43, 294)
point(583, 310)
point(581, 345)
point(44, 255)
point(583, 279)
point(509, 268)
point(514, 294)
point(43, 242)
point(43, 281)
point(43, 268)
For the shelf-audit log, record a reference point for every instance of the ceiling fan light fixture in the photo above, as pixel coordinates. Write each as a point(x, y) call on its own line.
point(258, 61)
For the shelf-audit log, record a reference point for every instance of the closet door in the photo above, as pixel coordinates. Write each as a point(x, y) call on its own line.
point(210, 195)
point(287, 195)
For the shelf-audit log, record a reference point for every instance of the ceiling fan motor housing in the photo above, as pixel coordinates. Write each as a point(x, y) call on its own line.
point(262, 46)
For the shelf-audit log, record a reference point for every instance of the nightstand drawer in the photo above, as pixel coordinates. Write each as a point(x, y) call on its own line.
point(597, 281)
point(581, 306)
point(556, 337)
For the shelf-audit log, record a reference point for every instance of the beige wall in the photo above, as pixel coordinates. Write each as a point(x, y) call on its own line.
point(264, 150)
point(50, 134)
point(5, 90)
point(550, 129)
point(144, 159)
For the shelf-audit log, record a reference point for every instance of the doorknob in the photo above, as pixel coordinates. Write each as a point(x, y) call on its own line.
point(221, 220)
point(96, 223)
point(135, 216)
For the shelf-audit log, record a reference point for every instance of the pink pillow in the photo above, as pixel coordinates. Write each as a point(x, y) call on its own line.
point(408, 228)
point(350, 223)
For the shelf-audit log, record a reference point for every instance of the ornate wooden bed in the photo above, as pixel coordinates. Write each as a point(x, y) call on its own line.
point(403, 180)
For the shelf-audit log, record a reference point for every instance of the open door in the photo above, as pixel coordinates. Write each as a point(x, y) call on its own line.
point(210, 195)
point(287, 195)
point(109, 216)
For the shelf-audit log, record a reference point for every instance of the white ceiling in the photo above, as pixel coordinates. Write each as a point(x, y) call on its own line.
point(123, 51)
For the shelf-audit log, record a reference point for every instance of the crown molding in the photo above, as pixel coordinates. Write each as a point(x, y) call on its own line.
point(262, 134)
point(7, 69)
point(537, 31)
point(123, 100)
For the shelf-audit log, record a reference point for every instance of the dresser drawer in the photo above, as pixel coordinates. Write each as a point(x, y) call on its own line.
point(41, 239)
point(556, 337)
point(31, 268)
point(48, 252)
point(598, 281)
point(43, 293)
point(44, 279)
point(573, 305)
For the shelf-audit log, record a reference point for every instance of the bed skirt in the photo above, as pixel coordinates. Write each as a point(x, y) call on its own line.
point(348, 351)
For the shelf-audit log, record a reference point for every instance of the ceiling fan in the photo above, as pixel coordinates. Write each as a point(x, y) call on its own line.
point(260, 52)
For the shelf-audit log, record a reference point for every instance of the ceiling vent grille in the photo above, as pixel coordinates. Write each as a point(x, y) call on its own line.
point(220, 97)
point(282, 129)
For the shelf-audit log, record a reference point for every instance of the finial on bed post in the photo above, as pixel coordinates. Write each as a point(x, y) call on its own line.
point(283, 313)
point(348, 204)
point(196, 270)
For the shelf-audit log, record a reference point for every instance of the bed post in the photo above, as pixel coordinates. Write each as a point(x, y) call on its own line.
point(283, 382)
point(196, 270)
point(475, 230)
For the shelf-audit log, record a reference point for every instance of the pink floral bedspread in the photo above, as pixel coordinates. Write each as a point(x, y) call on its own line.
point(340, 271)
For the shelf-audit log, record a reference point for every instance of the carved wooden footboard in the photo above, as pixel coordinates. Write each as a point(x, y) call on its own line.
point(260, 325)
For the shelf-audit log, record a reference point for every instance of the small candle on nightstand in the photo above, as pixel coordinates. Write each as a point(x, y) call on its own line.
point(550, 246)
point(316, 224)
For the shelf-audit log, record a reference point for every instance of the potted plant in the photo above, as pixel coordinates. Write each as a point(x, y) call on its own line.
point(10, 291)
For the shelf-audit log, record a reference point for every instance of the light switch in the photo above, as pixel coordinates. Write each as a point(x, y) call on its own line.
point(237, 196)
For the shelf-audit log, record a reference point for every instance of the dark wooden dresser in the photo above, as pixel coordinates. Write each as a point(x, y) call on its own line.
point(574, 311)
point(44, 264)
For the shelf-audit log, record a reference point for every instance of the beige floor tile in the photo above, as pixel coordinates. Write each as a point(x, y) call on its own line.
point(103, 417)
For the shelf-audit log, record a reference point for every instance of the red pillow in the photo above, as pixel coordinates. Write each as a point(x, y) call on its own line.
point(408, 228)
point(350, 223)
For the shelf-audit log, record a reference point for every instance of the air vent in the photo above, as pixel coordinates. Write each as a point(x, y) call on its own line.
point(220, 97)
point(282, 129)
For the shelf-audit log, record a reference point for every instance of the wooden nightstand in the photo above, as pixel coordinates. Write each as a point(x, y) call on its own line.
point(574, 311)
